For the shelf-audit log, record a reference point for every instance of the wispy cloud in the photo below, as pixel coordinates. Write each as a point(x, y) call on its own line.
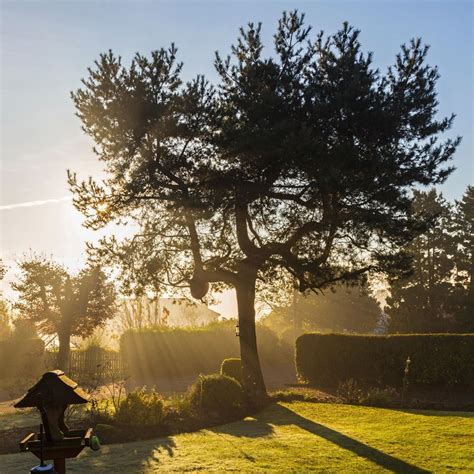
point(34, 203)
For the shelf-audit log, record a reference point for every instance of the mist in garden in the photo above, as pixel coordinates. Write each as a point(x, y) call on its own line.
point(244, 233)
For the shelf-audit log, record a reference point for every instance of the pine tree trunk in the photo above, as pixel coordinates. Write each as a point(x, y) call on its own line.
point(252, 379)
point(64, 349)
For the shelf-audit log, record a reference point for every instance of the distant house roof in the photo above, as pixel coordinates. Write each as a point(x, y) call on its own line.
point(188, 303)
point(180, 312)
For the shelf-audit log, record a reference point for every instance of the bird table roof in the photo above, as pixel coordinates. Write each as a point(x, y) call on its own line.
point(53, 388)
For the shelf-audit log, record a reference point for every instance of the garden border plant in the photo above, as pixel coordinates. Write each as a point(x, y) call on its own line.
point(213, 399)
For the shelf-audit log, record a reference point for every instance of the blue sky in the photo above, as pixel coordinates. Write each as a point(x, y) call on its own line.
point(46, 47)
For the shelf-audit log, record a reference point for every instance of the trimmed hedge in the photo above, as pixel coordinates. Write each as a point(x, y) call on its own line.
point(180, 352)
point(442, 360)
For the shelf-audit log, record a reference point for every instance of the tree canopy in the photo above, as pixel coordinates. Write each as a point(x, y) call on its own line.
point(344, 308)
point(61, 303)
point(437, 296)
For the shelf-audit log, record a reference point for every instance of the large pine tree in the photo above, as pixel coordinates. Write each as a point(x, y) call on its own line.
point(301, 160)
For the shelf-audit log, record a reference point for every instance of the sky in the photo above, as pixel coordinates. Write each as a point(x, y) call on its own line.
point(47, 46)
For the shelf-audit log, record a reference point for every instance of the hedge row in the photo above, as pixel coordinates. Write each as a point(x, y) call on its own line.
point(21, 358)
point(179, 352)
point(436, 359)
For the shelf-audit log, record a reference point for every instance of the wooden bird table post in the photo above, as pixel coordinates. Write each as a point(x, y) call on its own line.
point(51, 396)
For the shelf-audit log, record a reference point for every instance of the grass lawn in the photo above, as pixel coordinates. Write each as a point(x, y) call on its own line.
point(299, 436)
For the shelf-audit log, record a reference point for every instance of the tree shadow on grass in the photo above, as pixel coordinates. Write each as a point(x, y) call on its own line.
point(261, 426)
point(248, 428)
point(391, 463)
point(128, 457)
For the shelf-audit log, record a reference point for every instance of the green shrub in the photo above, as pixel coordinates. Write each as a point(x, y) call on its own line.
point(443, 360)
point(232, 368)
point(141, 407)
point(216, 395)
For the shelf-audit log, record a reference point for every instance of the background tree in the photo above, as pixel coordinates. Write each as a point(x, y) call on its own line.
point(300, 161)
point(344, 308)
point(5, 320)
point(61, 303)
point(463, 230)
point(5, 327)
point(424, 301)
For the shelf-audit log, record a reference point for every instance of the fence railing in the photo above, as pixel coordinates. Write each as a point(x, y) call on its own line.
point(98, 363)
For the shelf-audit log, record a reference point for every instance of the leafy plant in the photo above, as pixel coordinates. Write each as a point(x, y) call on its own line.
point(141, 407)
point(350, 391)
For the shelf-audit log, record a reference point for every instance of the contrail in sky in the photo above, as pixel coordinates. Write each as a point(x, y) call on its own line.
point(34, 203)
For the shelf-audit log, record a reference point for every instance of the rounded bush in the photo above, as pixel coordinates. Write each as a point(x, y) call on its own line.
point(141, 408)
point(232, 368)
point(216, 395)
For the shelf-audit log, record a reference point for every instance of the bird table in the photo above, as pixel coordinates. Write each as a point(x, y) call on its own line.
point(53, 393)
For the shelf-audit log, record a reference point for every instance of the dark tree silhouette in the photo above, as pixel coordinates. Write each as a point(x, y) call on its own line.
point(301, 161)
point(423, 302)
point(463, 230)
point(63, 304)
point(438, 295)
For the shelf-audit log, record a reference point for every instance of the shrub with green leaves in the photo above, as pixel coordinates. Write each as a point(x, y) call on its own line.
point(232, 368)
point(141, 407)
point(216, 395)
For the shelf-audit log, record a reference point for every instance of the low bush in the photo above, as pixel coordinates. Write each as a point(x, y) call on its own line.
point(441, 360)
point(141, 407)
point(232, 368)
point(216, 395)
